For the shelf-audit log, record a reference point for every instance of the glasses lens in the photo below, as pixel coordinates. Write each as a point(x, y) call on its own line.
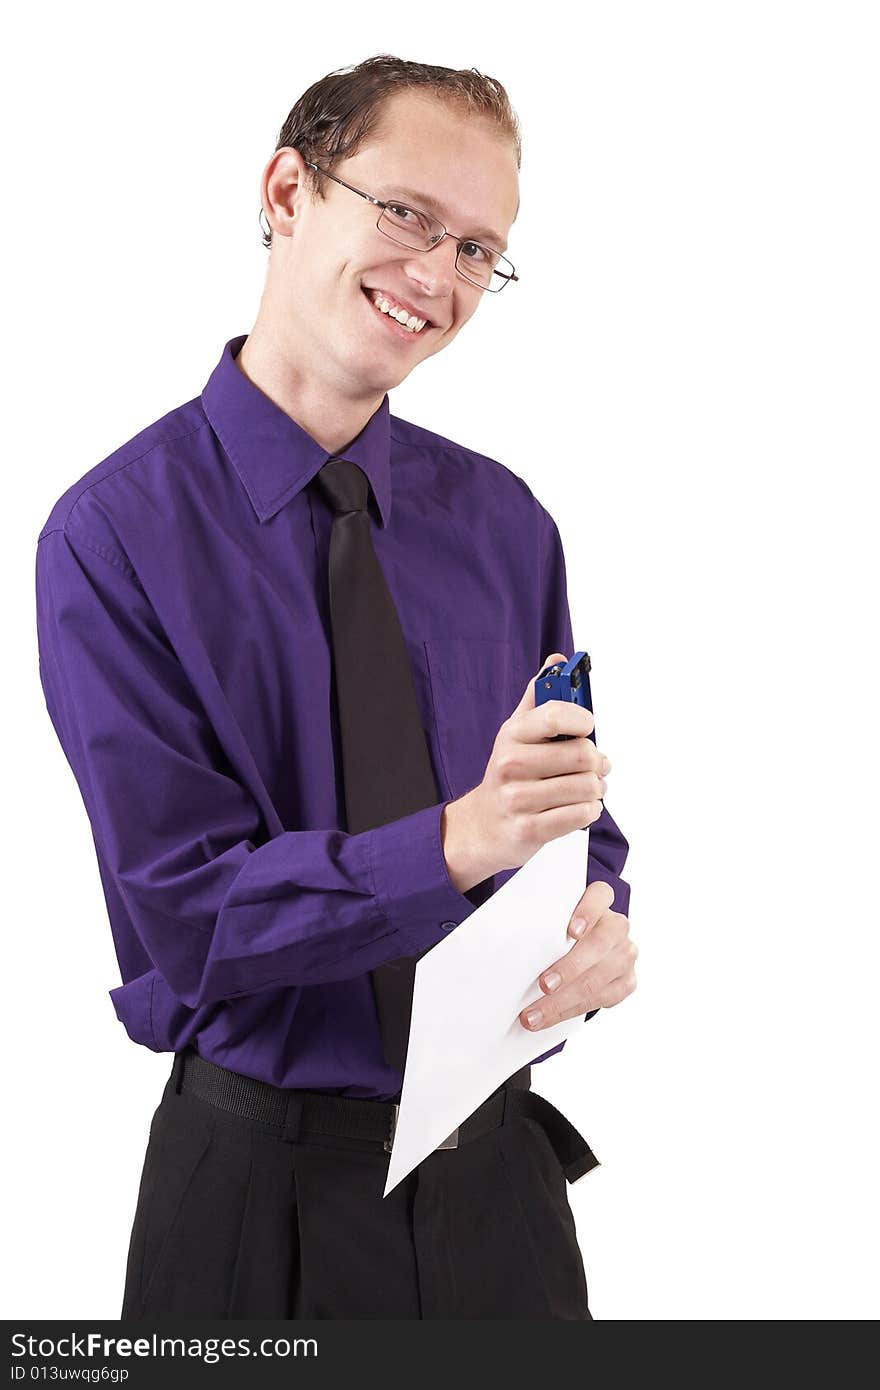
point(483, 266)
point(409, 227)
point(479, 264)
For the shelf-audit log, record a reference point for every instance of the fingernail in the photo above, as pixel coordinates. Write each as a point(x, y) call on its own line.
point(553, 980)
point(578, 926)
point(534, 1017)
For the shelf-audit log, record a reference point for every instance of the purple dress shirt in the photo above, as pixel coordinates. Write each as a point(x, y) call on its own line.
point(185, 658)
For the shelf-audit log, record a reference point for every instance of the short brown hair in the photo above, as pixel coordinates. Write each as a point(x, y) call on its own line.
point(337, 114)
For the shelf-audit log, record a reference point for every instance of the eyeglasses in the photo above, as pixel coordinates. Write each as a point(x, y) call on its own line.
point(485, 268)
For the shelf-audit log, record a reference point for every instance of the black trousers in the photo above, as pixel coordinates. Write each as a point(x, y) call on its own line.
point(236, 1221)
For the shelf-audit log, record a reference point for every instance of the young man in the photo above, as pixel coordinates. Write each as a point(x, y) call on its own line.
point(245, 614)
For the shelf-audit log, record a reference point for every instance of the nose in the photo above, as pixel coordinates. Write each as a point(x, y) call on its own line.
point(434, 270)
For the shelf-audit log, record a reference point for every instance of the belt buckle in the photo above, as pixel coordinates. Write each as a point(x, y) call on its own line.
point(388, 1144)
point(389, 1138)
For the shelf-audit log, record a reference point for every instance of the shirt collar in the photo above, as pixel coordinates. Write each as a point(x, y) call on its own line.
point(273, 455)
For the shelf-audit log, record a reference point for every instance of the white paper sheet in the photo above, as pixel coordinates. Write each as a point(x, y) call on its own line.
point(465, 1035)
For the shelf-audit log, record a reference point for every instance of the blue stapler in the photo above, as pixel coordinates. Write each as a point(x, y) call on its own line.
point(569, 680)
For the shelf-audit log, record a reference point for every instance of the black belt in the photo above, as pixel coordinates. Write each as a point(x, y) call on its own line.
point(294, 1112)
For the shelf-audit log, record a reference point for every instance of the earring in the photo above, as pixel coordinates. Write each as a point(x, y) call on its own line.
point(268, 229)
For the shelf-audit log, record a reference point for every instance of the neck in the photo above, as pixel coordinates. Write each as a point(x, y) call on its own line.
point(333, 422)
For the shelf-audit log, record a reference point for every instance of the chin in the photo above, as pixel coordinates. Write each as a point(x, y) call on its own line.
point(374, 376)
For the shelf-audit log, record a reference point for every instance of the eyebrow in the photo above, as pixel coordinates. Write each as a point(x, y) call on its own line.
point(425, 200)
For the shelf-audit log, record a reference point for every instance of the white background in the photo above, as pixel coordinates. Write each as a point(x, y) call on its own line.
point(687, 378)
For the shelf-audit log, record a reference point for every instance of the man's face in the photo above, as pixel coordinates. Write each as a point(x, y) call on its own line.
point(323, 271)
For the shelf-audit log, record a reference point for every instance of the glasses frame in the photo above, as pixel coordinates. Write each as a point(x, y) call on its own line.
point(462, 240)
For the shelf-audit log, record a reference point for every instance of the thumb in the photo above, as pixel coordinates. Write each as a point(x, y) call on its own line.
point(528, 699)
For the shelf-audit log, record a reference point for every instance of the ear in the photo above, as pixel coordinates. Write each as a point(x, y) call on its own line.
point(283, 189)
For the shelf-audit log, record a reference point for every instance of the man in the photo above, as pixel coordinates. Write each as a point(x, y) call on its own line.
point(205, 595)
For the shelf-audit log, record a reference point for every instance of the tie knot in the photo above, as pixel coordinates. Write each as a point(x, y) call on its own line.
point(345, 485)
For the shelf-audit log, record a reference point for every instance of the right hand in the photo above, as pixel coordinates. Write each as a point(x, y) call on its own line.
point(533, 789)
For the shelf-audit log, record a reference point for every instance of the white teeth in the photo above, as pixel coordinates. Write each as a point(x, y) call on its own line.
point(410, 321)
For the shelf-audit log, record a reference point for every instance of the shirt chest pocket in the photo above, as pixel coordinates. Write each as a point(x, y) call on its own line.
point(476, 683)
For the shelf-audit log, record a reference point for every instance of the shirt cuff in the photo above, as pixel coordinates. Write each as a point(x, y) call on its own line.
point(412, 880)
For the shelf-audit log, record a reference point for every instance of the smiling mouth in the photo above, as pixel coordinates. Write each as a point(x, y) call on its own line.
point(391, 319)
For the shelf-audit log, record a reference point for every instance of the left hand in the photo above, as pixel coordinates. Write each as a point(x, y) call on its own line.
point(598, 971)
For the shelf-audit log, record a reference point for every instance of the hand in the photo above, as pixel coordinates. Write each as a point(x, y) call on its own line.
point(533, 790)
point(597, 972)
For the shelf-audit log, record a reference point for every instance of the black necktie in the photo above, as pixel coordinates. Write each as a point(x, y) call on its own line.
point(386, 764)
